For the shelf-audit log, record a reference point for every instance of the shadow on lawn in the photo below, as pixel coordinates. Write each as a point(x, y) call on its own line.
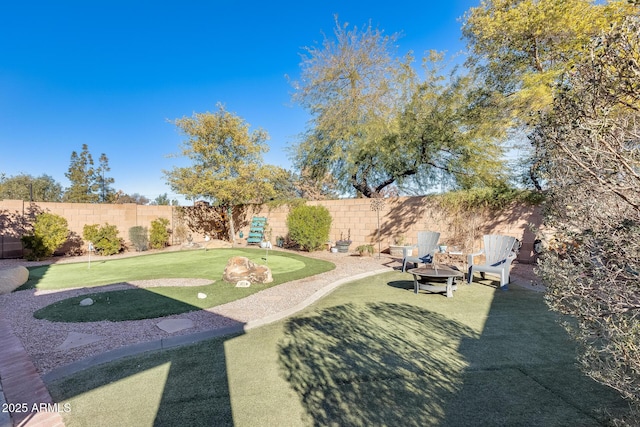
point(189, 383)
point(400, 364)
point(352, 365)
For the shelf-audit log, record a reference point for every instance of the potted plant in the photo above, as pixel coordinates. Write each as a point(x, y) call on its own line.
point(365, 250)
point(397, 249)
point(343, 244)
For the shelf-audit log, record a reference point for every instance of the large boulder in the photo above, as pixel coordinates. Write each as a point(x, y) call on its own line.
point(241, 268)
point(12, 278)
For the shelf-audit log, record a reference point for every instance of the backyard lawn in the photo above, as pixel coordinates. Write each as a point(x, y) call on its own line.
point(136, 304)
point(370, 353)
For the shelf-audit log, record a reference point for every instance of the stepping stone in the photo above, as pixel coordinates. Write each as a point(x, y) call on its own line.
point(175, 325)
point(76, 339)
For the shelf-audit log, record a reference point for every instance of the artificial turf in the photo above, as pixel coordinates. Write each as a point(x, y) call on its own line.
point(138, 303)
point(370, 353)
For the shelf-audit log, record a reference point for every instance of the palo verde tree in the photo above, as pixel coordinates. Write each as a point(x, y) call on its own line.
point(589, 143)
point(375, 123)
point(520, 48)
point(226, 162)
point(440, 134)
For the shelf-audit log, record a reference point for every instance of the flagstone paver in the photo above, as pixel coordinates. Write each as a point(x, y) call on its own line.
point(77, 339)
point(175, 325)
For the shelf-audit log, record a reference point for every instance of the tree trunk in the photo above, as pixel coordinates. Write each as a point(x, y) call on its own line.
point(232, 231)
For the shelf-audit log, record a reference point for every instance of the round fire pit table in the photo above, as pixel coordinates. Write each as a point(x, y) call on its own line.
point(435, 272)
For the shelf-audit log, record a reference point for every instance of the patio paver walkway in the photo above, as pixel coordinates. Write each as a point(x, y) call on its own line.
point(22, 386)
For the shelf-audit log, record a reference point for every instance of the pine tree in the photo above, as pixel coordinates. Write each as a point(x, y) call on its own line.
point(88, 184)
point(105, 190)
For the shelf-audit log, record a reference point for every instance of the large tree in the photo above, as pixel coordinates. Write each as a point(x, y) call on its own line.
point(88, 183)
point(226, 162)
point(589, 143)
point(520, 48)
point(27, 187)
point(105, 191)
point(81, 175)
point(375, 123)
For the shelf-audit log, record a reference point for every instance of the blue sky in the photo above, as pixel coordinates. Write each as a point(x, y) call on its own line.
point(111, 74)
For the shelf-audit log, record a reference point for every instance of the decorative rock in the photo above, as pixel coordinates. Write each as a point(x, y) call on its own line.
point(12, 278)
point(241, 268)
point(243, 284)
point(202, 295)
point(86, 302)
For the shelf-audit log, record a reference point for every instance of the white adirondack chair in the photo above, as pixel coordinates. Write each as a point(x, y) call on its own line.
point(499, 251)
point(427, 244)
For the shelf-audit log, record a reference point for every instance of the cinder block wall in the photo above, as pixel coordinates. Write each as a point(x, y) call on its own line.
point(407, 216)
point(78, 215)
point(401, 215)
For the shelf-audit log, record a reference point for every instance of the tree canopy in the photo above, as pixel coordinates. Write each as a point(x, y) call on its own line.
point(120, 197)
point(226, 161)
point(27, 187)
point(88, 183)
point(589, 146)
point(521, 47)
point(103, 182)
point(375, 123)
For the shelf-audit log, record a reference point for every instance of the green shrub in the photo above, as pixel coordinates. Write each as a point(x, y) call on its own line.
point(159, 235)
point(139, 236)
point(487, 197)
point(50, 231)
point(309, 226)
point(105, 239)
point(364, 250)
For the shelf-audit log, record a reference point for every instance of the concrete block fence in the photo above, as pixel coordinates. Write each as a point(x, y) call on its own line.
point(399, 216)
point(123, 216)
point(408, 215)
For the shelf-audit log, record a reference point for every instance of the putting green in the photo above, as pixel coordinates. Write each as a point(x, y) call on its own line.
point(279, 264)
point(149, 303)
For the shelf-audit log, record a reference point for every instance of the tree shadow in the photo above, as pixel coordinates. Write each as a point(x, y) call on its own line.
point(351, 368)
point(195, 387)
point(113, 303)
point(464, 230)
point(190, 379)
point(406, 213)
point(13, 225)
point(388, 363)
